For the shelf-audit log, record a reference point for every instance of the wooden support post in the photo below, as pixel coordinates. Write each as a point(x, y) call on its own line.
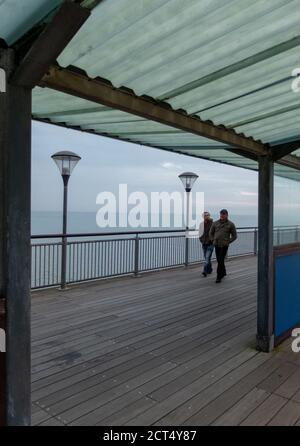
point(15, 163)
point(265, 307)
point(2, 362)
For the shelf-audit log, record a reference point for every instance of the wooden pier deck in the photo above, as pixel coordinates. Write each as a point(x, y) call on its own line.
point(168, 348)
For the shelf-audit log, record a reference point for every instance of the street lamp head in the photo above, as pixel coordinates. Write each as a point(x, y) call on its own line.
point(65, 161)
point(188, 179)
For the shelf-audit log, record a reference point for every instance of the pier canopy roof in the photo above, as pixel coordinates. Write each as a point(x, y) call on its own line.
point(209, 78)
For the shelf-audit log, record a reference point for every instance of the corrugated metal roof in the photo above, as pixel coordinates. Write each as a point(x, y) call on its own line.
point(227, 61)
point(19, 16)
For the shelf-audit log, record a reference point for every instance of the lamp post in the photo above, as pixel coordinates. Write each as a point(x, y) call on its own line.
point(65, 161)
point(188, 179)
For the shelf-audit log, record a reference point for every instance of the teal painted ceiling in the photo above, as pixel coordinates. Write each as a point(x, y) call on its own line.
point(227, 61)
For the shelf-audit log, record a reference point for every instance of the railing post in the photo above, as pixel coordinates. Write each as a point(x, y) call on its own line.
point(63, 282)
point(278, 236)
point(136, 255)
point(255, 242)
point(186, 262)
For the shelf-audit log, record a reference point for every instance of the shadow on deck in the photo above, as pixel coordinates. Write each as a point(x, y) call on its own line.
point(168, 348)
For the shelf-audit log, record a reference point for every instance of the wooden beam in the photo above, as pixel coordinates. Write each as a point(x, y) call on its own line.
point(280, 150)
point(290, 161)
point(50, 43)
point(77, 83)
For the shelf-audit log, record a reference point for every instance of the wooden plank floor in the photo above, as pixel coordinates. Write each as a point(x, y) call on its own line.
point(168, 348)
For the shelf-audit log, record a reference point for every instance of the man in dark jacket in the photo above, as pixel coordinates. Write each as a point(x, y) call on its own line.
point(206, 242)
point(222, 233)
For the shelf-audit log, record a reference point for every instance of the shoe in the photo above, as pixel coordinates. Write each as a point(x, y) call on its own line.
point(204, 274)
point(218, 280)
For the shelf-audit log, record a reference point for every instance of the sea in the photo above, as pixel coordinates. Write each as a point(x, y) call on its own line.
point(104, 255)
point(50, 222)
point(47, 222)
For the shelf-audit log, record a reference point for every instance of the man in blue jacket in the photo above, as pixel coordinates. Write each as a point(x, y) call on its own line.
point(206, 242)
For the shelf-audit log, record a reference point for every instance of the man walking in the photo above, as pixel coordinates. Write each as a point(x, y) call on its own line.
point(222, 233)
point(207, 244)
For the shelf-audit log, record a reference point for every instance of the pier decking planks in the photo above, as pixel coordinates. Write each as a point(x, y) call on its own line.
point(167, 348)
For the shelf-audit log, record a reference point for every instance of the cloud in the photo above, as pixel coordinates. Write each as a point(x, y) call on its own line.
point(249, 194)
point(170, 165)
point(287, 206)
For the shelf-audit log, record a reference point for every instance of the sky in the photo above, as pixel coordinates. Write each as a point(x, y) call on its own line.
point(106, 163)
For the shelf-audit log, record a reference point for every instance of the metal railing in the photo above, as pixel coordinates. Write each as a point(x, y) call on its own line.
point(102, 255)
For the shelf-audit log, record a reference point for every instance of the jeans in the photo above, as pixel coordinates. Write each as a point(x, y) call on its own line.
point(207, 252)
point(221, 254)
